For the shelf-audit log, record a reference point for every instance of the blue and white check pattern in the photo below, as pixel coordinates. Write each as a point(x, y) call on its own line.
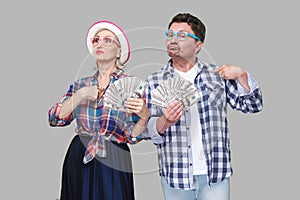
point(174, 146)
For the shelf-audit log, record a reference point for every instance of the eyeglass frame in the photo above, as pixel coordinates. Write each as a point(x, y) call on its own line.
point(185, 32)
point(101, 40)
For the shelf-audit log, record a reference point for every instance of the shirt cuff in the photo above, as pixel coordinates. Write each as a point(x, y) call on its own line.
point(252, 84)
point(135, 140)
point(153, 133)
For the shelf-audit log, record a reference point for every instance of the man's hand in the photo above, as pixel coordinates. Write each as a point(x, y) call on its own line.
point(173, 112)
point(230, 72)
point(171, 115)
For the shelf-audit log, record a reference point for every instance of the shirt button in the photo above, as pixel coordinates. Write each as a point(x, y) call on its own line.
point(191, 164)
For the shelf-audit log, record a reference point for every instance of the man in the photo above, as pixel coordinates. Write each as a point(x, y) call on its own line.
point(193, 144)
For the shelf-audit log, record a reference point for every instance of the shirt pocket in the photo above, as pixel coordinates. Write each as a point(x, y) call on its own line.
point(215, 92)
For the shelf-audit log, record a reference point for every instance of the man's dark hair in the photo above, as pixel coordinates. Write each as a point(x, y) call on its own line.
point(197, 26)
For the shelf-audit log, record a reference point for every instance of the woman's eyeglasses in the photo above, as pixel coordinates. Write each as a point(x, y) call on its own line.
point(106, 41)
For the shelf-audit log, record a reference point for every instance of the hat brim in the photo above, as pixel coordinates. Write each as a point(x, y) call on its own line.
point(96, 27)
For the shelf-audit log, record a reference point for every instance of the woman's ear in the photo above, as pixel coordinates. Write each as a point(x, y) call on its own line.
point(119, 53)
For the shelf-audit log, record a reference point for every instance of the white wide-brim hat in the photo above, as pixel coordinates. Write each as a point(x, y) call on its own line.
point(103, 24)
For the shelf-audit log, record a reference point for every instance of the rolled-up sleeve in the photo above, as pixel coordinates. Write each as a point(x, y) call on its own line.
point(152, 133)
point(54, 119)
point(252, 84)
point(53, 113)
point(240, 99)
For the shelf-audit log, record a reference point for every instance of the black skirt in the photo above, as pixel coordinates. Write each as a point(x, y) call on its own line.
point(108, 178)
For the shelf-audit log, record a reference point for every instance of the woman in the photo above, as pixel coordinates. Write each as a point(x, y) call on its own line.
point(98, 162)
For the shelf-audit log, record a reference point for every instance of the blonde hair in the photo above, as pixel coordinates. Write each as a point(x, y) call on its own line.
point(118, 64)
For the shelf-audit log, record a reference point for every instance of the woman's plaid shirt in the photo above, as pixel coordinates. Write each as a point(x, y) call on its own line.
point(94, 121)
point(174, 146)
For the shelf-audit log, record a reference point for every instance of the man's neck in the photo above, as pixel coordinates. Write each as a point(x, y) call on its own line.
point(182, 64)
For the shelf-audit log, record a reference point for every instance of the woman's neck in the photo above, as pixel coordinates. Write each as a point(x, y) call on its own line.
point(105, 70)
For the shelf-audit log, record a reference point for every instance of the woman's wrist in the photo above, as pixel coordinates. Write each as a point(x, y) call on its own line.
point(145, 117)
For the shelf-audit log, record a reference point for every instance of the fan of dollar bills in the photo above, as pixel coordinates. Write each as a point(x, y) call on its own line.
point(175, 89)
point(122, 89)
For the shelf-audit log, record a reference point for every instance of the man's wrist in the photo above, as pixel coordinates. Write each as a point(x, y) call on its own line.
point(162, 125)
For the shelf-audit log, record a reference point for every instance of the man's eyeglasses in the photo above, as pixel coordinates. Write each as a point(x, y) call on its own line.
point(106, 41)
point(180, 35)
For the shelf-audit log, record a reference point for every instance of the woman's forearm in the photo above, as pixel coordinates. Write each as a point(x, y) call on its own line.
point(69, 105)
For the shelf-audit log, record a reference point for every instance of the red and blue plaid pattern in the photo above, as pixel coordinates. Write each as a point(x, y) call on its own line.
point(95, 121)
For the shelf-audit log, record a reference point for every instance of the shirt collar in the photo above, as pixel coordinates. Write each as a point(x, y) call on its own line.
point(170, 69)
point(115, 75)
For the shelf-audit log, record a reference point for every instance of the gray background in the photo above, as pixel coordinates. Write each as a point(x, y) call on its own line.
point(43, 50)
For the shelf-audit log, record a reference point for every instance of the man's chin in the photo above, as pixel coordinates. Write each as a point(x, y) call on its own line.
point(173, 53)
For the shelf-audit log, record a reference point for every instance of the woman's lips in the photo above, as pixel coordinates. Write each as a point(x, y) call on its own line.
point(98, 52)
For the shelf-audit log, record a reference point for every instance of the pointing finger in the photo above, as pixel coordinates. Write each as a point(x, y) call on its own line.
point(218, 69)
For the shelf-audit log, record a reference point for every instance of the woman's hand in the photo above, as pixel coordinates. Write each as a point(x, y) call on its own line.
point(90, 93)
point(138, 106)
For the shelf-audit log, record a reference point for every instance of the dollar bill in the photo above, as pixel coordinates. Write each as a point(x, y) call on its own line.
point(122, 89)
point(175, 89)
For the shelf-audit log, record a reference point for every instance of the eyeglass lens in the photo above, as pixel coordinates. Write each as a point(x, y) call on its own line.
point(106, 41)
point(181, 35)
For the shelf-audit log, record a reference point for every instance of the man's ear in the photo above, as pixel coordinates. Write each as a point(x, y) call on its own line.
point(199, 46)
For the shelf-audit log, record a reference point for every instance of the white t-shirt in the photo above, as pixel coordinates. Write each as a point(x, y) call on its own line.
point(199, 161)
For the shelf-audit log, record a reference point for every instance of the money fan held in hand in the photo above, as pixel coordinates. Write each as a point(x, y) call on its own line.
point(122, 89)
point(175, 89)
